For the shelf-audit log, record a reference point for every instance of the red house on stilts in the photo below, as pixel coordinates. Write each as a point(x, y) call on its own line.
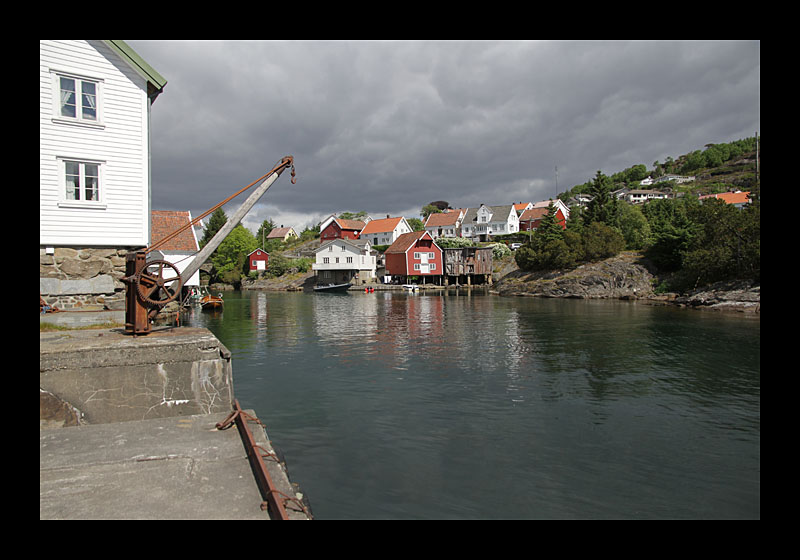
point(415, 254)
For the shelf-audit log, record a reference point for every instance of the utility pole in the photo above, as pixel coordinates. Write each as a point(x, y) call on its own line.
point(556, 180)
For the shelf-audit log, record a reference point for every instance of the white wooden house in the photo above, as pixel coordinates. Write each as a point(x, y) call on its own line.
point(385, 231)
point(94, 168)
point(345, 260)
point(485, 221)
point(94, 151)
point(445, 224)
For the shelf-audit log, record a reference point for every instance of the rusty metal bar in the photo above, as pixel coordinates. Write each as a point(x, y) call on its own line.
point(265, 484)
point(288, 161)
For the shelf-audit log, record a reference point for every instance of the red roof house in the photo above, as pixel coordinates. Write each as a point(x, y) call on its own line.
point(414, 254)
point(336, 228)
point(529, 220)
point(738, 198)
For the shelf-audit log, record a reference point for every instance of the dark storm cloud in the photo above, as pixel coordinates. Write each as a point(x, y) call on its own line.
point(390, 126)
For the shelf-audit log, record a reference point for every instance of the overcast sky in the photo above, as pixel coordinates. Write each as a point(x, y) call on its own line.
point(389, 126)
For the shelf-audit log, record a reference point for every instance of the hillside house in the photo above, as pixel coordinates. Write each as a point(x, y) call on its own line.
point(558, 203)
point(282, 234)
point(739, 198)
point(483, 222)
point(258, 260)
point(385, 231)
point(445, 224)
point(95, 98)
point(337, 228)
point(181, 249)
point(340, 261)
point(415, 254)
point(531, 218)
point(639, 196)
point(520, 207)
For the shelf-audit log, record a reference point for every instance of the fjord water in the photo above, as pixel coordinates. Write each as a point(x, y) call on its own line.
point(467, 405)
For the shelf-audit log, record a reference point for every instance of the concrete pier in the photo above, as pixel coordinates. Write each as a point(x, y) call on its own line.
point(128, 430)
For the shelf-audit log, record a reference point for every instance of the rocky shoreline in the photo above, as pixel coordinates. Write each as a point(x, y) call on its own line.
point(627, 276)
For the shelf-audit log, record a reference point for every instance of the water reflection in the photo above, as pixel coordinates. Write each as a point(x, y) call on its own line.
point(561, 408)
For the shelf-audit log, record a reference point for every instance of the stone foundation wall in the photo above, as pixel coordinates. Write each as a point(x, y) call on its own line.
point(83, 278)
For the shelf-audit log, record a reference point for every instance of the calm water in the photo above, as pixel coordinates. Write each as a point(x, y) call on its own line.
point(446, 406)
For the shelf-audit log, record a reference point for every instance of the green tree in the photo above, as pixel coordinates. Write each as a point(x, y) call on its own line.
point(416, 224)
point(672, 231)
point(215, 223)
point(549, 228)
point(353, 215)
point(602, 207)
point(601, 242)
point(429, 209)
point(633, 225)
point(727, 244)
point(264, 230)
point(230, 257)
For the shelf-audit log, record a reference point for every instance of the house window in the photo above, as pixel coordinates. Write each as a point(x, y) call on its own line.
point(432, 266)
point(416, 266)
point(81, 182)
point(326, 260)
point(350, 260)
point(77, 100)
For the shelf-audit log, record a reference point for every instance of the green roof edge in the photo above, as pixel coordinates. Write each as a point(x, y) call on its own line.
point(148, 72)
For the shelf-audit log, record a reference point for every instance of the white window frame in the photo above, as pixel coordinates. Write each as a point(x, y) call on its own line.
point(64, 201)
point(78, 119)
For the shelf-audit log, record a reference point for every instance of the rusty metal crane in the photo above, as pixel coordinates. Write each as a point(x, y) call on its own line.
point(149, 286)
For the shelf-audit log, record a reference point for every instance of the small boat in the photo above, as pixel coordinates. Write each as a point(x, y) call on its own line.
point(410, 287)
point(211, 302)
point(332, 287)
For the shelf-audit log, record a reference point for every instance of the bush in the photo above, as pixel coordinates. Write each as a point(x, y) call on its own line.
point(549, 252)
point(601, 242)
point(499, 250)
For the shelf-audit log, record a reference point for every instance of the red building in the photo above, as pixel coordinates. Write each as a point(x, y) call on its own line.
point(414, 254)
point(530, 218)
point(336, 228)
point(258, 260)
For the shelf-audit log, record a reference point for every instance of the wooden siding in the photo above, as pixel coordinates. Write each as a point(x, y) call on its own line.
point(258, 255)
point(122, 218)
point(333, 231)
point(465, 261)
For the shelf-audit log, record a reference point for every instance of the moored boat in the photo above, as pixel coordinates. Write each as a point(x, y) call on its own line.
point(332, 287)
point(211, 302)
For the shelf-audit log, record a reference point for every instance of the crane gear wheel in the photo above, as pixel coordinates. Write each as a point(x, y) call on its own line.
point(153, 285)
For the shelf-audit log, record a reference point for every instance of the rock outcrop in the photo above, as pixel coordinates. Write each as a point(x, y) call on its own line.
point(626, 276)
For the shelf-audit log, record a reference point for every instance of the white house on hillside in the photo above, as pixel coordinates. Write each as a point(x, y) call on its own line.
point(485, 221)
point(385, 231)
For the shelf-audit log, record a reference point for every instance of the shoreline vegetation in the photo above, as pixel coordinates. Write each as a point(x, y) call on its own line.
point(628, 276)
point(686, 249)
